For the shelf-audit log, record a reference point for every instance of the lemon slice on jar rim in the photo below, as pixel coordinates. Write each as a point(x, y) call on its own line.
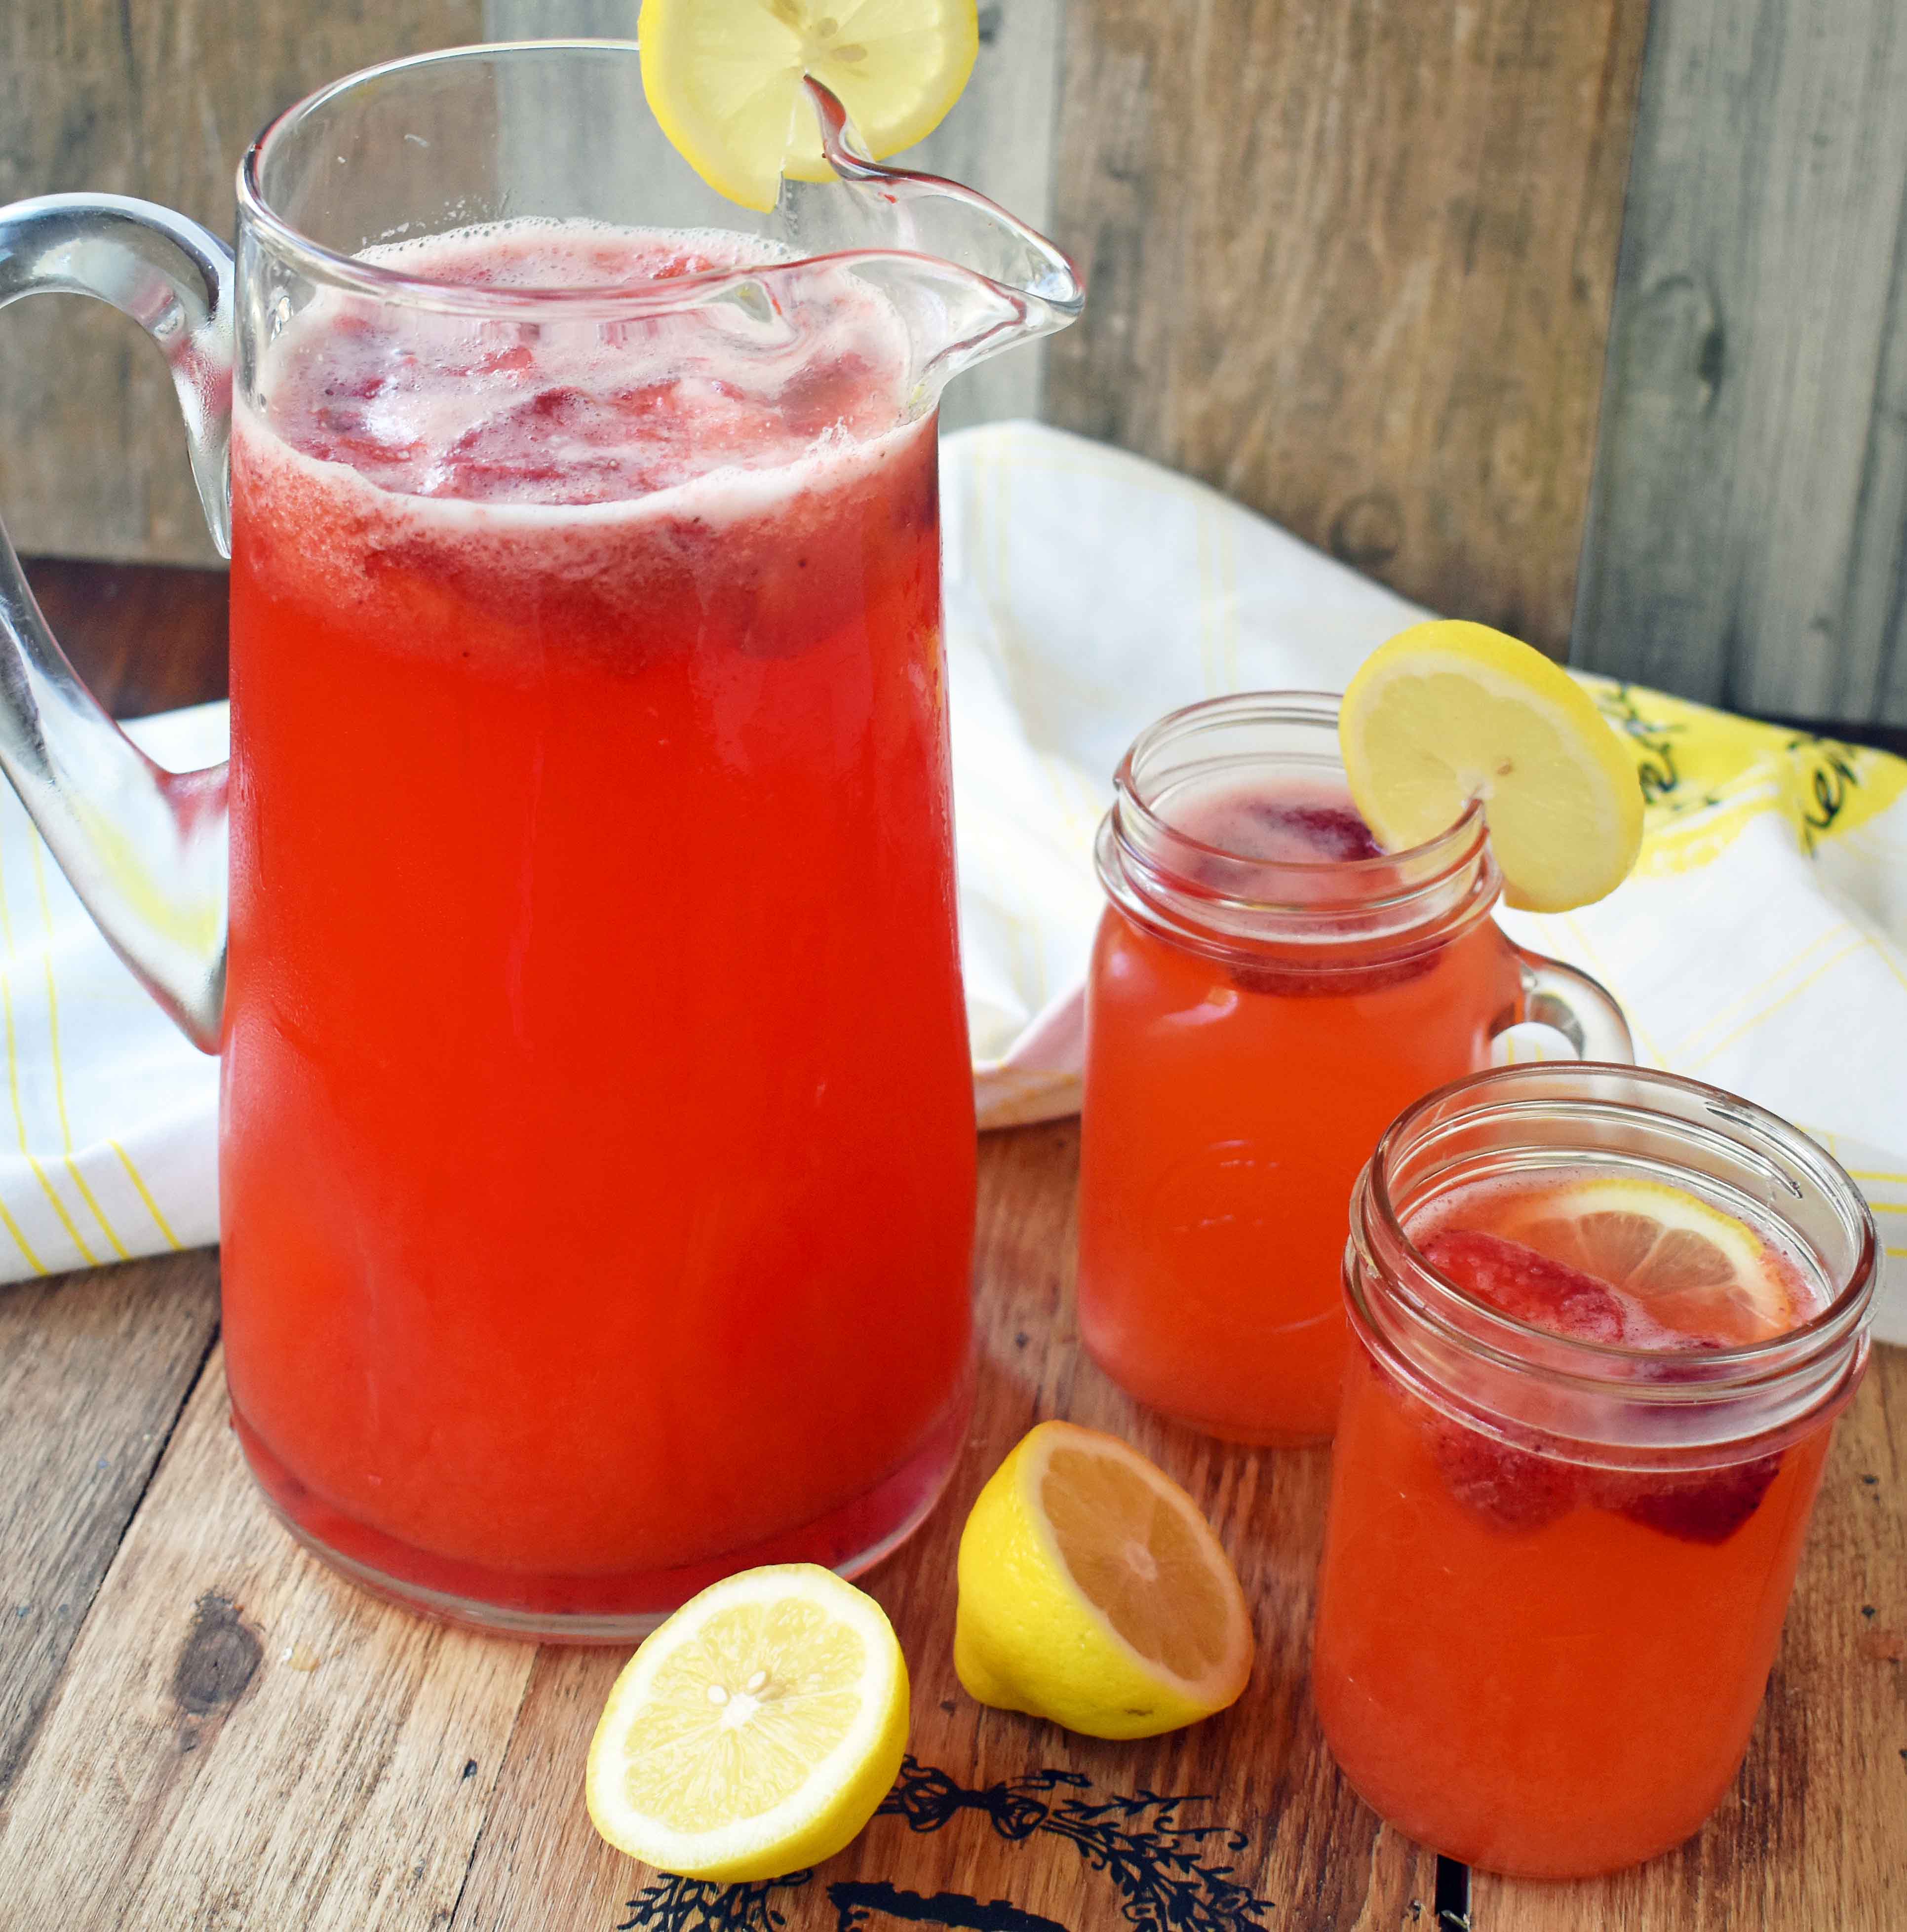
point(1093, 1593)
point(755, 1731)
point(1446, 711)
point(723, 79)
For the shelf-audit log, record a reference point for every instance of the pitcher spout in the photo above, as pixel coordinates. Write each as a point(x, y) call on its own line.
point(971, 279)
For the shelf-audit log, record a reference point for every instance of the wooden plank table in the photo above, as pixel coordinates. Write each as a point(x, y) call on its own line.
point(200, 1727)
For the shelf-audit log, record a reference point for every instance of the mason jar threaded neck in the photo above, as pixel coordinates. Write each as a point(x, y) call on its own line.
point(1333, 914)
point(1601, 1402)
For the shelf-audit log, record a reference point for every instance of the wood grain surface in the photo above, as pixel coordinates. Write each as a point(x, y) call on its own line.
point(245, 1740)
point(1352, 264)
point(236, 1729)
point(1748, 543)
point(94, 1370)
point(146, 637)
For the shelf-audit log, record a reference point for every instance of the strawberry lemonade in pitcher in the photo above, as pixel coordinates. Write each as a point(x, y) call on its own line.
point(633, 971)
point(597, 1140)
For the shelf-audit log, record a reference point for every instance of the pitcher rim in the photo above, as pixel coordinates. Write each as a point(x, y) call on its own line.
point(648, 296)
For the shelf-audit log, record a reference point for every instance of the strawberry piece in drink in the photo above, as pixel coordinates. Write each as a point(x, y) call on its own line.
point(1512, 1489)
point(1708, 1506)
point(1316, 834)
point(1516, 1490)
point(1528, 1287)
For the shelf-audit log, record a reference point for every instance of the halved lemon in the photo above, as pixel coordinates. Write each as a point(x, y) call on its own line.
point(1446, 711)
point(1694, 1268)
point(723, 79)
point(1093, 1592)
point(755, 1731)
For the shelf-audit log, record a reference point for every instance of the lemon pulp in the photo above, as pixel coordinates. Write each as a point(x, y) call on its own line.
point(1448, 712)
point(1694, 1268)
point(755, 1731)
point(723, 79)
point(1093, 1593)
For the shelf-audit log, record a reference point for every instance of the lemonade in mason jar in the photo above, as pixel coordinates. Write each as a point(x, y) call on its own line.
point(1602, 1322)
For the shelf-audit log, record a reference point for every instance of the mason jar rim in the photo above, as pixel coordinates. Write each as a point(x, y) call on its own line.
point(1335, 915)
point(1427, 1311)
point(1318, 708)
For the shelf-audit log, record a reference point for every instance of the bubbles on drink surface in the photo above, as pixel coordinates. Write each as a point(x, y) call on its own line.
point(742, 455)
point(1590, 1254)
point(1269, 821)
point(1278, 822)
point(577, 409)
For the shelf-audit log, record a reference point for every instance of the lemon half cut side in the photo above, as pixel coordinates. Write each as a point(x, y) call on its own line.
point(1447, 712)
point(755, 1731)
point(1093, 1593)
point(723, 79)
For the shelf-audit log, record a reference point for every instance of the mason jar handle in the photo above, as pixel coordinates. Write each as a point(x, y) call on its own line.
point(1582, 1010)
point(145, 848)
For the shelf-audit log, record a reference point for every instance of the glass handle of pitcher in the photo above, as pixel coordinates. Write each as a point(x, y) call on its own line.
point(1582, 1010)
point(144, 847)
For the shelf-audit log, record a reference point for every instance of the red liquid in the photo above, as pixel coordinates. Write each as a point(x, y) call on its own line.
point(1228, 1108)
point(598, 1162)
point(1540, 1665)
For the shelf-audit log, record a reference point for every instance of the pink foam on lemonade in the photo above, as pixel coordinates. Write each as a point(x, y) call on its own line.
point(1277, 822)
point(589, 411)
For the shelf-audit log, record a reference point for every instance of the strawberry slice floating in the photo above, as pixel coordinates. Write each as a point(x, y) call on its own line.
point(1708, 1506)
point(1516, 1490)
point(1529, 1287)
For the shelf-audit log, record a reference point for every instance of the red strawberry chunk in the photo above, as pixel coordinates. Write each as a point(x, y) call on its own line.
point(1527, 1286)
point(1318, 834)
point(1704, 1506)
point(1511, 1490)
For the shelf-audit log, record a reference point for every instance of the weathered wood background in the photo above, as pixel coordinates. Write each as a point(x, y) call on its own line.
point(1406, 274)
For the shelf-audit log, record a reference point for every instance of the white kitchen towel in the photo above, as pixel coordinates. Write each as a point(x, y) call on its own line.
point(1761, 945)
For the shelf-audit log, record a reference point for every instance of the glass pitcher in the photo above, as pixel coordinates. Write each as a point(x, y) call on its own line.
point(597, 1157)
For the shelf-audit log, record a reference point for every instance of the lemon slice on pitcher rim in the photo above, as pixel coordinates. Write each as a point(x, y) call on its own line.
point(1446, 711)
point(755, 1731)
point(1093, 1592)
point(723, 79)
point(1695, 1269)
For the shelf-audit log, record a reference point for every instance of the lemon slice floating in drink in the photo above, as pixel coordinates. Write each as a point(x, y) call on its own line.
point(1093, 1592)
point(755, 1731)
point(1689, 1265)
point(1447, 712)
point(723, 79)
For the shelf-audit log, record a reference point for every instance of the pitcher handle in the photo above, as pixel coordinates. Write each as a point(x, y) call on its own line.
point(144, 848)
point(1582, 1010)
